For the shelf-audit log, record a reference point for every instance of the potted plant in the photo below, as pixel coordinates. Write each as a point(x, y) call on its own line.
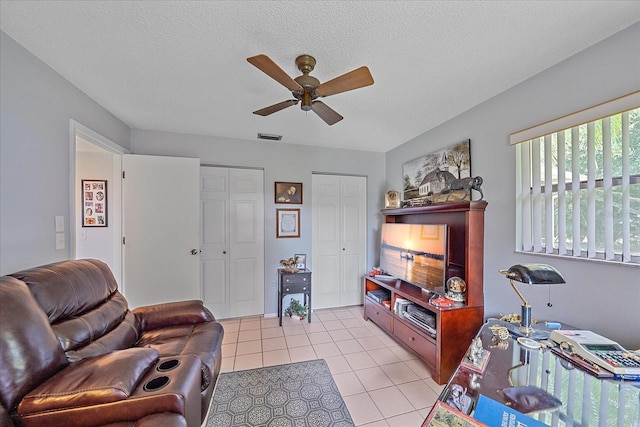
point(296, 310)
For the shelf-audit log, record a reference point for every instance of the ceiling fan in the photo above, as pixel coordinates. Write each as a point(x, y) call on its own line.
point(306, 88)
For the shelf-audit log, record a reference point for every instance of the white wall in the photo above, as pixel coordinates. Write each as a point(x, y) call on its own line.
point(597, 296)
point(281, 161)
point(36, 105)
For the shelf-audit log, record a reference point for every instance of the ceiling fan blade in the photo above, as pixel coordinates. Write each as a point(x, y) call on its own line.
point(355, 79)
point(326, 113)
point(270, 68)
point(276, 107)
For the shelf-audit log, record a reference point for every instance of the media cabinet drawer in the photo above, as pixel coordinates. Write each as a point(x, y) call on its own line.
point(379, 314)
point(415, 341)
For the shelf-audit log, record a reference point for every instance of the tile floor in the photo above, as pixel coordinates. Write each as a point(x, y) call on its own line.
point(382, 384)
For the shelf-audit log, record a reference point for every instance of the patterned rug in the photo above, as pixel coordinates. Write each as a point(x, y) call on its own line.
point(299, 394)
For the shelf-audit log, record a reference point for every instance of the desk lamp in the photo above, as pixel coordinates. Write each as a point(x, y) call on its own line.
point(532, 274)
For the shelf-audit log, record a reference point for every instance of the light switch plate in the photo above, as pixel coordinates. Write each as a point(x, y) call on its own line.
point(59, 241)
point(59, 224)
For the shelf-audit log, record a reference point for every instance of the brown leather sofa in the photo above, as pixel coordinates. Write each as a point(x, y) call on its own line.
point(72, 353)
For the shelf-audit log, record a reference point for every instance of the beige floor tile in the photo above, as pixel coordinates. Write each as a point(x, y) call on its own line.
point(272, 333)
point(418, 393)
point(361, 332)
point(360, 360)
point(325, 316)
point(348, 383)
point(229, 350)
point(231, 326)
point(248, 347)
point(391, 402)
point(293, 330)
point(352, 322)
point(350, 346)
point(410, 419)
point(400, 373)
point(249, 335)
point(297, 340)
point(419, 368)
point(276, 357)
point(373, 378)
point(332, 325)
point(344, 314)
point(384, 356)
point(362, 409)
point(341, 335)
point(327, 349)
point(314, 326)
point(371, 343)
point(277, 343)
point(227, 364)
point(434, 385)
point(402, 353)
point(319, 337)
point(269, 322)
point(248, 361)
point(381, 423)
point(249, 324)
point(230, 337)
point(338, 364)
point(299, 354)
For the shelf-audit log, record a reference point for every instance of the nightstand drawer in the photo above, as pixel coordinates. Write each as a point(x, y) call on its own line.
point(299, 278)
point(295, 288)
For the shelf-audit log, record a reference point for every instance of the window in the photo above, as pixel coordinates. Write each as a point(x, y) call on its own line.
point(578, 184)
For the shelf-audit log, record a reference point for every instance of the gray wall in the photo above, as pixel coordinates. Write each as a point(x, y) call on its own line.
point(281, 161)
point(597, 296)
point(36, 105)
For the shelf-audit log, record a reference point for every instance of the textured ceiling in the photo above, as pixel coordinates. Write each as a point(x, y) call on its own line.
point(181, 66)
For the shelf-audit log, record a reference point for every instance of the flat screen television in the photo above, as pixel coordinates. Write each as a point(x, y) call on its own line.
point(415, 253)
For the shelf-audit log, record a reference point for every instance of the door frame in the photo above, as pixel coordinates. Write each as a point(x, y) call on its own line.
point(77, 129)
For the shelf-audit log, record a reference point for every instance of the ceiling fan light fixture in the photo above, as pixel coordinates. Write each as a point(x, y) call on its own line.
point(269, 136)
point(306, 101)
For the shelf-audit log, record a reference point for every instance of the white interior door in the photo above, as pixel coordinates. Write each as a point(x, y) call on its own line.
point(339, 239)
point(161, 229)
point(232, 241)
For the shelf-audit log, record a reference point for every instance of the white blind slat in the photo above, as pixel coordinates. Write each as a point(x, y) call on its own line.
point(548, 196)
point(575, 190)
point(536, 196)
point(626, 197)
point(562, 201)
point(607, 186)
point(591, 193)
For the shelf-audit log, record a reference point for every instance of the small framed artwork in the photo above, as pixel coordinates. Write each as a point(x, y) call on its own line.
point(391, 199)
point(444, 415)
point(94, 203)
point(288, 192)
point(301, 261)
point(287, 223)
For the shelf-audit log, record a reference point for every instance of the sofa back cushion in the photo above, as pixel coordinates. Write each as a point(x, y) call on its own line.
point(81, 299)
point(29, 349)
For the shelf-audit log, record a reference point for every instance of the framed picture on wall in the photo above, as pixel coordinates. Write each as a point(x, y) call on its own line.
point(288, 192)
point(94, 203)
point(287, 223)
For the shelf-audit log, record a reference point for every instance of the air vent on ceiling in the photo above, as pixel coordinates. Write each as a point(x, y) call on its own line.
point(269, 136)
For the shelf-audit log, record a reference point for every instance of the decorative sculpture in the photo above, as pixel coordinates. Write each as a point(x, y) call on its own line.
point(451, 183)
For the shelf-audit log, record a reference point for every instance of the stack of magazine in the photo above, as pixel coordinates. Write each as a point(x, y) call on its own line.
point(416, 315)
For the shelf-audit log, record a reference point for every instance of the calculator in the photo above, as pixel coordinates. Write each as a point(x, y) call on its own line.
point(597, 349)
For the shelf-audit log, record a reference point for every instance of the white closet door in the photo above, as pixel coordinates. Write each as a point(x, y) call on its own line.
point(339, 240)
point(161, 227)
point(232, 241)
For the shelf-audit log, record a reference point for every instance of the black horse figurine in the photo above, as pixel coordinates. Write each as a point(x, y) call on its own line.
point(452, 183)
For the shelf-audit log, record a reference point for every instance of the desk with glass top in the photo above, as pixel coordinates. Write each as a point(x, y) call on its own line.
point(565, 395)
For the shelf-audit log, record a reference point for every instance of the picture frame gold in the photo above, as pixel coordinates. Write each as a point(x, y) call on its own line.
point(289, 193)
point(287, 223)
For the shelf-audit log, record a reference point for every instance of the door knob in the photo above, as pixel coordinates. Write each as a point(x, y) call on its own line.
point(194, 251)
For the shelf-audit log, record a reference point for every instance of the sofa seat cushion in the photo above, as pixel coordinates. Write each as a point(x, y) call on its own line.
point(165, 419)
point(93, 381)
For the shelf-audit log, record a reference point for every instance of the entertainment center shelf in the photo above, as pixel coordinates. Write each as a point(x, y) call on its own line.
point(456, 326)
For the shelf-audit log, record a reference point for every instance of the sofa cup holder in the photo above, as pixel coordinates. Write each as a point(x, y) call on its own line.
point(168, 365)
point(156, 383)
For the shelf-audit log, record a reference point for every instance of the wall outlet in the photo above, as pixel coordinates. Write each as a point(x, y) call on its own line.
point(59, 220)
point(59, 241)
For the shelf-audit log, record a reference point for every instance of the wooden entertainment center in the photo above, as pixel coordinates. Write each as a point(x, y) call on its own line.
point(455, 326)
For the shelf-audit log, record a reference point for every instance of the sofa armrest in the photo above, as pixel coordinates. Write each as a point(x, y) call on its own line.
point(172, 314)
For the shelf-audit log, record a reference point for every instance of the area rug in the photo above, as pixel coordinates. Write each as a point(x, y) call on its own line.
point(299, 394)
